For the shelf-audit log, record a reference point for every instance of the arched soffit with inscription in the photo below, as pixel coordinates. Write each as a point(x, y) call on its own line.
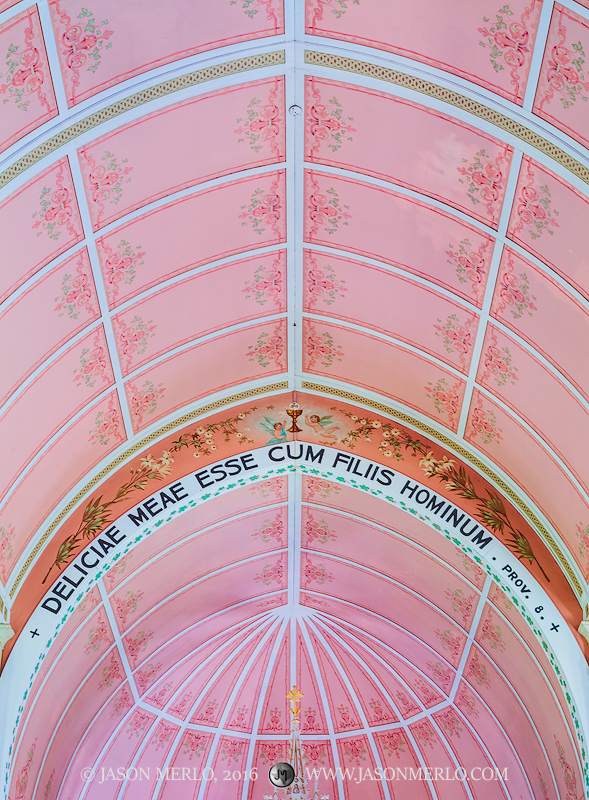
point(380, 208)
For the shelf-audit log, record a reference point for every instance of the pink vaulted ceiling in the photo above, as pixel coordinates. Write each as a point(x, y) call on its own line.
point(197, 207)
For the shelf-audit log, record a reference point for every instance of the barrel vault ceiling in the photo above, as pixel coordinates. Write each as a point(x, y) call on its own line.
point(375, 210)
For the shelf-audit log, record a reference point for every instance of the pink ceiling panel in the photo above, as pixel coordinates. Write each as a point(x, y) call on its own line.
point(364, 544)
point(216, 509)
point(396, 751)
point(355, 754)
point(360, 359)
point(337, 287)
point(400, 606)
point(230, 758)
point(242, 713)
point(234, 293)
point(94, 49)
point(501, 698)
point(227, 360)
point(495, 45)
point(548, 220)
point(153, 756)
point(213, 224)
point(432, 744)
point(423, 149)
point(37, 223)
point(121, 174)
point(69, 458)
point(372, 508)
point(563, 84)
point(343, 712)
point(523, 296)
point(71, 286)
point(505, 441)
point(527, 386)
point(399, 230)
point(29, 99)
point(313, 712)
point(318, 756)
point(191, 754)
point(69, 383)
point(7, 4)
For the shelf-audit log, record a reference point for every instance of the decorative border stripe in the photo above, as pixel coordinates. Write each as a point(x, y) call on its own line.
point(454, 99)
point(171, 426)
point(479, 465)
point(136, 100)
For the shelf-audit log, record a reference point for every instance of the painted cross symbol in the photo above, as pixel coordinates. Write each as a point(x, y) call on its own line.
point(34, 633)
point(554, 627)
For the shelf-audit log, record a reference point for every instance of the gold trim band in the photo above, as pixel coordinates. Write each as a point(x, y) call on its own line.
point(479, 465)
point(138, 99)
point(454, 99)
point(171, 426)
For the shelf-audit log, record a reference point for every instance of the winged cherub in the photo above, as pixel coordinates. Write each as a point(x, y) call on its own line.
point(321, 426)
point(276, 429)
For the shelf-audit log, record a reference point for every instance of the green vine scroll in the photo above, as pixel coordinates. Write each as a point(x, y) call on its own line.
point(491, 511)
point(97, 513)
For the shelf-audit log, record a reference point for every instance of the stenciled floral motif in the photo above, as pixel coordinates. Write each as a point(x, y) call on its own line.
point(267, 284)
point(23, 776)
point(158, 699)
point(355, 750)
point(320, 347)
point(263, 209)
point(318, 531)
point(461, 604)
point(122, 703)
point(194, 744)
point(326, 211)
point(316, 572)
point(450, 643)
point(425, 733)
point(240, 720)
point(484, 180)
point(310, 724)
point(202, 438)
point(514, 291)
point(110, 672)
point(582, 535)
point(407, 705)
point(346, 720)
point(450, 723)
point(323, 285)
point(337, 7)
point(477, 671)
point(106, 180)
point(379, 714)
point(126, 606)
point(180, 706)
point(122, 264)
point(48, 785)
point(274, 723)
point(262, 124)
point(498, 364)
point(565, 74)
point(82, 43)
point(144, 400)
point(271, 529)
point(106, 424)
point(57, 209)
point(320, 487)
point(249, 8)
point(456, 337)
point(570, 780)
point(425, 693)
point(76, 292)
point(231, 749)
point(271, 752)
point(469, 264)
point(268, 347)
point(273, 487)
point(533, 207)
point(137, 724)
point(467, 703)
point(446, 398)
point(484, 422)
point(492, 633)
point(25, 75)
point(145, 676)
point(93, 364)
point(508, 42)
point(543, 787)
point(137, 644)
point(133, 337)
point(271, 573)
point(6, 538)
point(97, 635)
point(394, 743)
point(326, 122)
point(162, 734)
point(442, 675)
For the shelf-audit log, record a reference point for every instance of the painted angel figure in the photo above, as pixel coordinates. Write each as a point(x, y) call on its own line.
point(276, 429)
point(322, 426)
